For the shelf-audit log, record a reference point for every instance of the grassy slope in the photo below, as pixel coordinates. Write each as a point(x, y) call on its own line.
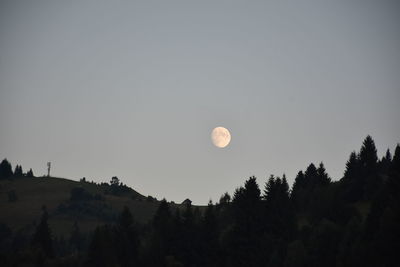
point(33, 193)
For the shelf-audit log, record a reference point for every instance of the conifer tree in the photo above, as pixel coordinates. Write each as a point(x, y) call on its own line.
point(162, 232)
point(5, 169)
point(42, 238)
point(245, 237)
point(18, 171)
point(369, 168)
point(310, 176)
point(297, 193)
point(209, 236)
point(323, 177)
point(395, 166)
point(368, 156)
point(352, 167)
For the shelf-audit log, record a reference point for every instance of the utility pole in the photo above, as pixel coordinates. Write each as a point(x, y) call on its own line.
point(48, 168)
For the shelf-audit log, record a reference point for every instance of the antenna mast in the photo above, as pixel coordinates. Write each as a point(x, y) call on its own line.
point(48, 168)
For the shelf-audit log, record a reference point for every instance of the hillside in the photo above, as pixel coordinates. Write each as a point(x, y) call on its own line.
point(97, 205)
point(317, 222)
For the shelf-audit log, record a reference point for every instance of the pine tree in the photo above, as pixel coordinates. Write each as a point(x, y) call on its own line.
point(323, 178)
point(368, 156)
point(279, 216)
point(162, 233)
point(209, 237)
point(5, 169)
point(297, 194)
point(245, 237)
point(18, 171)
point(352, 167)
point(395, 166)
point(352, 184)
point(369, 168)
point(311, 176)
point(42, 238)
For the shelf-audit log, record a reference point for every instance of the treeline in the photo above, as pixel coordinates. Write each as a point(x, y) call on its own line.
point(6, 171)
point(319, 222)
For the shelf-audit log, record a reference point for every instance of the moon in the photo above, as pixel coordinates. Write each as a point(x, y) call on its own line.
point(220, 137)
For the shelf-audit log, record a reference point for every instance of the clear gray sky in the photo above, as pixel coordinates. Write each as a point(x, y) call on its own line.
point(134, 88)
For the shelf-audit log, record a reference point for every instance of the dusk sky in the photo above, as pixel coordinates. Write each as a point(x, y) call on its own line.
point(134, 88)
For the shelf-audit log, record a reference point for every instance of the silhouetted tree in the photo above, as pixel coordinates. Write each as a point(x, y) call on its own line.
point(352, 183)
point(297, 195)
point(323, 178)
point(395, 166)
point(5, 169)
point(279, 217)
point(30, 173)
point(162, 233)
point(369, 168)
point(385, 163)
point(368, 155)
point(225, 199)
point(189, 235)
point(307, 187)
point(18, 171)
point(42, 238)
point(209, 237)
point(245, 237)
point(114, 181)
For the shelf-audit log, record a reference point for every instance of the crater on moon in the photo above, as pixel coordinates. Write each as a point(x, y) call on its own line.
point(220, 137)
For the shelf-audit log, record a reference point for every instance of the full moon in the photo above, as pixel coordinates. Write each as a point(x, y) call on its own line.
point(220, 137)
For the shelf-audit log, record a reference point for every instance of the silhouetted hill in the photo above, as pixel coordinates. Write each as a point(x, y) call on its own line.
point(68, 201)
point(318, 222)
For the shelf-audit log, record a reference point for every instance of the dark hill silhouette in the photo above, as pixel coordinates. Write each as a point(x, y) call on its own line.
point(319, 222)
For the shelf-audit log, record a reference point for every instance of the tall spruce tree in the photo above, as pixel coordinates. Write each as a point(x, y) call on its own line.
point(369, 168)
point(162, 233)
point(42, 238)
point(368, 156)
point(245, 236)
point(323, 177)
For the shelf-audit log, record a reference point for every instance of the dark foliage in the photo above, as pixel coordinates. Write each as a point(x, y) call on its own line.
point(30, 173)
point(42, 239)
point(351, 222)
point(18, 171)
point(5, 169)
